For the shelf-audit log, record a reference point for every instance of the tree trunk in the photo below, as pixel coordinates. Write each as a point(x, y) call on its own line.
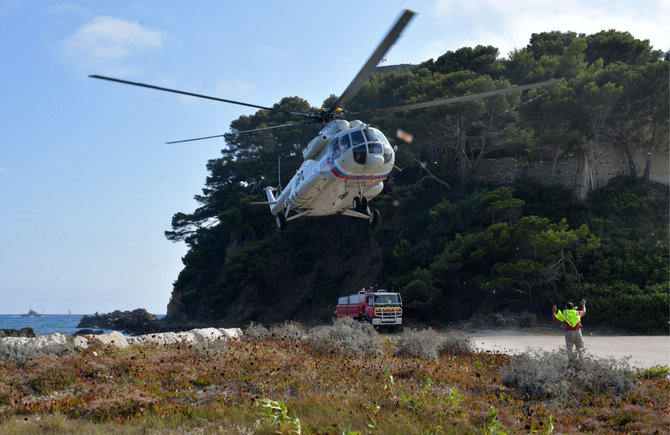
point(650, 153)
point(631, 160)
point(596, 157)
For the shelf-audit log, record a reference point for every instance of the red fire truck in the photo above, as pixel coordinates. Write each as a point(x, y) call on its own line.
point(379, 307)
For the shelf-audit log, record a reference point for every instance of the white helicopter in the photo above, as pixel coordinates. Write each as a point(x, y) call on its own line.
point(346, 164)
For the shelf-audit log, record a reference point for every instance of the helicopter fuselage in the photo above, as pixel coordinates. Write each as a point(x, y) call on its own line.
point(345, 166)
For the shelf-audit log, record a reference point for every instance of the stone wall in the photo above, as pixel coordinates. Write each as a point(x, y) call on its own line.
point(575, 172)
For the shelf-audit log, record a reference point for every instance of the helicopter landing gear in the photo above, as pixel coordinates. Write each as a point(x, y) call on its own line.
point(360, 203)
point(375, 217)
point(280, 219)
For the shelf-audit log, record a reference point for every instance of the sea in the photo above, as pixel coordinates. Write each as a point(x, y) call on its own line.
point(46, 324)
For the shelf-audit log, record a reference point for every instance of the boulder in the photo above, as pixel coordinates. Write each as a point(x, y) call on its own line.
point(23, 332)
point(89, 332)
point(133, 322)
point(21, 349)
point(114, 338)
point(231, 333)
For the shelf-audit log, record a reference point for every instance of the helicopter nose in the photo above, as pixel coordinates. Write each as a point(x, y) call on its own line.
point(375, 162)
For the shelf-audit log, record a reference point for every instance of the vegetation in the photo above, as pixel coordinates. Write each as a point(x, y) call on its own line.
point(469, 249)
point(287, 385)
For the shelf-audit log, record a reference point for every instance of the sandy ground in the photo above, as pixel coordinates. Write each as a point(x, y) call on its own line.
point(644, 351)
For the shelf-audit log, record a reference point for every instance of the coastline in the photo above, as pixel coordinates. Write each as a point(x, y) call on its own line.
point(638, 351)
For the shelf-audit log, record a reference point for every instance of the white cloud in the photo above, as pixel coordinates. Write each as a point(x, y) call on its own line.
point(509, 25)
point(109, 43)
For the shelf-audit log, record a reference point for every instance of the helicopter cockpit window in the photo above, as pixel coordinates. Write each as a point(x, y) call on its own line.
point(345, 143)
point(359, 148)
point(388, 152)
point(371, 135)
point(381, 137)
point(374, 148)
point(335, 149)
point(357, 138)
point(360, 153)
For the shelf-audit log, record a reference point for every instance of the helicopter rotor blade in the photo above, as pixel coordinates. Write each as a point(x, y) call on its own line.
point(293, 124)
point(451, 100)
point(363, 75)
point(191, 94)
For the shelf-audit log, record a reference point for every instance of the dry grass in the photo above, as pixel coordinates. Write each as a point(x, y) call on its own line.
point(287, 384)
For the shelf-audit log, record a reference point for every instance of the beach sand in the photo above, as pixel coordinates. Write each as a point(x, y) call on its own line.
point(644, 351)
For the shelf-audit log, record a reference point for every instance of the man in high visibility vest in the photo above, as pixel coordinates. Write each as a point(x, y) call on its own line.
point(573, 324)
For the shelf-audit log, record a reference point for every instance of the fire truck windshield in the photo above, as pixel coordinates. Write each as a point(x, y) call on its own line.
point(386, 299)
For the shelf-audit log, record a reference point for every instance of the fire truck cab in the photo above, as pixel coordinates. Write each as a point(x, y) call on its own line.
point(379, 307)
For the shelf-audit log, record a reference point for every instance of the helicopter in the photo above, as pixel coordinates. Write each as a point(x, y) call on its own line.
point(345, 165)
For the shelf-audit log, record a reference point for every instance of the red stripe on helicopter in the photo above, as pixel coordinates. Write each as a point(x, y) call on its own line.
point(340, 174)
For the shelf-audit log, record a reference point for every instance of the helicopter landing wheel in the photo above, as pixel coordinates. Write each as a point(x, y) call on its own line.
point(281, 221)
point(376, 218)
point(360, 203)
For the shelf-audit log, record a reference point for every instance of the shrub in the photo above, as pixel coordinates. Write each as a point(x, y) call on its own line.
point(422, 344)
point(558, 375)
point(346, 336)
point(256, 332)
point(654, 371)
point(288, 330)
point(456, 343)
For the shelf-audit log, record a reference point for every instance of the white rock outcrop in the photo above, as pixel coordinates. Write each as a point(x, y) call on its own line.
point(19, 349)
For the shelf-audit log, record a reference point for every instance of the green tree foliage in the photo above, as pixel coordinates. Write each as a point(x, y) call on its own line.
point(453, 248)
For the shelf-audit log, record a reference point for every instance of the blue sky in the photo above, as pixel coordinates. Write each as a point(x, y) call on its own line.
point(87, 184)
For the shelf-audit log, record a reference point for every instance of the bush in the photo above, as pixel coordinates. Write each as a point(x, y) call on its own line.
point(541, 375)
point(421, 344)
point(256, 332)
point(456, 343)
point(654, 372)
point(287, 330)
point(346, 336)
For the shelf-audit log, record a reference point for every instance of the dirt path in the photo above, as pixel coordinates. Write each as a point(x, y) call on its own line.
point(643, 351)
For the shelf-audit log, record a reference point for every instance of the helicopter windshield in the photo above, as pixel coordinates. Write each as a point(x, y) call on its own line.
point(365, 141)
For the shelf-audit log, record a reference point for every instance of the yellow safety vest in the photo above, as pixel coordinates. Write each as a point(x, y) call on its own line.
point(571, 317)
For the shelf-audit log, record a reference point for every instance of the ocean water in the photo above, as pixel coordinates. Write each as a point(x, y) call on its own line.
point(47, 324)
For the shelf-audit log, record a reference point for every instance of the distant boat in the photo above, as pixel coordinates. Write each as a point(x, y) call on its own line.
point(32, 313)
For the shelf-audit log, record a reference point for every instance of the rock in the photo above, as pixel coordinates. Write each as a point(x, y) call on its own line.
point(89, 332)
point(231, 333)
point(80, 342)
point(23, 332)
point(133, 322)
point(21, 349)
point(114, 338)
point(201, 337)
